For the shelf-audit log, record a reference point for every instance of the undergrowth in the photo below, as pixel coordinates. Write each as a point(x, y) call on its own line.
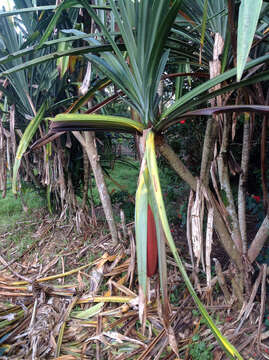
point(17, 224)
point(11, 209)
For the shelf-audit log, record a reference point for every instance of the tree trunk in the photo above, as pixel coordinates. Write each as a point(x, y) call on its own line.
point(86, 175)
point(259, 240)
point(89, 145)
point(88, 142)
point(208, 149)
point(242, 184)
point(226, 185)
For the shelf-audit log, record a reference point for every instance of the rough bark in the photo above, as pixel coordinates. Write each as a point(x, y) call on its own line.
point(215, 66)
point(226, 185)
point(259, 240)
point(208, 150)
point(212, 123)
point(242, 184)
point(86, 179)
point(90, 147)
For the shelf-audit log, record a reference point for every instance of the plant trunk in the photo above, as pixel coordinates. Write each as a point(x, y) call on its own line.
point(89, 145)
point(86, 175)
point(226, 185)
point(208, 150)
point(88, 142)
point(259, 240)
point(242, 183)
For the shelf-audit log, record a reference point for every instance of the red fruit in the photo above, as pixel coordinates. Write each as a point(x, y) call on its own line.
point(152, 247)
point(257, 198)
point(182, 121)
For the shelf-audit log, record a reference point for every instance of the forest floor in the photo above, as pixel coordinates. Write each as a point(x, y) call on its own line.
point(66, 293)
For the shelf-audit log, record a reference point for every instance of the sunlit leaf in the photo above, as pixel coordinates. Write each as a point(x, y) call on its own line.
point(75, 122)
point(249, 12)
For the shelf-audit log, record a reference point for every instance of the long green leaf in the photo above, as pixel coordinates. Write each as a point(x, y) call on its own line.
point(112, 68)
point(262, 109)
point(249, 12)
point(26, 10)
point(32, 49)
point(25, 141)
point(18, 80)
point(262, 76)
point(174, 109)
point(63, 62)
point(141, 210)
point(179, 82)
point(162, 258)
point(154, 178)
point(119, 60)
point(63, 6)
point(101, 84)
point(88, 313)
point(56, 55)
point(44, 8)
point(65, 122)
point(116, 67)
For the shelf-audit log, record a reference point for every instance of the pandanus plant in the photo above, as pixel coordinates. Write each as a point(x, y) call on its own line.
point(144, 28)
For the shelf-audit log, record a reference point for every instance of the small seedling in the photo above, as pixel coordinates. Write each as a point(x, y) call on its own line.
point(199, 350)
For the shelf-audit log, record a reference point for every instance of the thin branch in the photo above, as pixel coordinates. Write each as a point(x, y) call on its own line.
point(259, 240)
point(242, 183)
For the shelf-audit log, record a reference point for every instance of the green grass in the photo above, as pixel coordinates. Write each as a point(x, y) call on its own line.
point(16, 225)
point(124, 174)
point(11, 209)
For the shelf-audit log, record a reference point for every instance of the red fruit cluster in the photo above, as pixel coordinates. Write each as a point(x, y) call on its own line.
point(256, 198)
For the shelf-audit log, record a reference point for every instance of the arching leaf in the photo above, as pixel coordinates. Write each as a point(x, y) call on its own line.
point(91, 122)
point(25, 141)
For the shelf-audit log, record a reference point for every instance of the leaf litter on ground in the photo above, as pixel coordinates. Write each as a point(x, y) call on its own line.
point(67, 298)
